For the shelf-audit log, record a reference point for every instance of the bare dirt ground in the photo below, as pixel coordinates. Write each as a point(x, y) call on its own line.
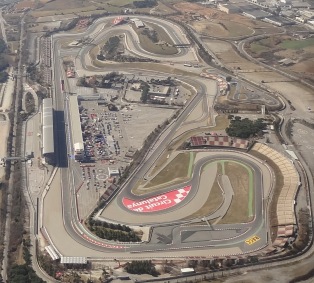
point(215, 198)
point(239, 178)
point(176, 169)
point(142, 114)
point(225, 53)
point(257, 74)
point(215, 16)
point(275, 48)
point(61, 5)
point(222, 29)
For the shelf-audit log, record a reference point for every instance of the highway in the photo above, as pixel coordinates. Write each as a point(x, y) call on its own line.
point(67, 166)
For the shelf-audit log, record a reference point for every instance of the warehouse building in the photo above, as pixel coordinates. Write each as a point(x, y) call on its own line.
point(256, 14)
point(278, 21)
point(76, 130)
point(161, 91)
point(48, 147)
point(228, 8)
point(138, 23)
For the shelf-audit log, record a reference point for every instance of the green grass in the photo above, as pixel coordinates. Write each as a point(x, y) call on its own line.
point(120, 3)
point(258, 48)
point(297, 44)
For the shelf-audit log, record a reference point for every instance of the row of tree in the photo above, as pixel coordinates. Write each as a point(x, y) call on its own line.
point(3, 62)
point(24, 272)
point(115, 235)
point(141, 267)
point(112, 226)
point(145, 4)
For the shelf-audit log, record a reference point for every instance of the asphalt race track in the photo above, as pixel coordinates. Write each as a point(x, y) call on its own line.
point(168, 235)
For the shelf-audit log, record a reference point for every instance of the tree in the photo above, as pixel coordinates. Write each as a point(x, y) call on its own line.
point(245, 128)
point(141, 267)
point(145, 89)
point(228, 78)
point(3, 77)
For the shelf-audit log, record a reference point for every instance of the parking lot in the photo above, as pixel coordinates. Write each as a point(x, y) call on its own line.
point(110, 138)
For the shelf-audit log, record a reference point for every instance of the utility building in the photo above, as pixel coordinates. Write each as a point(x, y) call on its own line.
point(48, 147)
point(76, 130)
point(113, 172)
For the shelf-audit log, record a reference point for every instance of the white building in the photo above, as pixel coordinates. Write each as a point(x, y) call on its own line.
point(113, 172)
point(138, 23)
point(76, 129)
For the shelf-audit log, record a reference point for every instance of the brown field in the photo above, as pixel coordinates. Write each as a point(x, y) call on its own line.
point(162, 9)
point(230, 57)
point(217, 16)
point(238, 210)
point(222, 123)
point(274, 48)
point(223, 29)
point(145, 66)
point(150, 46)
point(60, 5)
point(177, 170)
point(214, 199)
point(25, 4)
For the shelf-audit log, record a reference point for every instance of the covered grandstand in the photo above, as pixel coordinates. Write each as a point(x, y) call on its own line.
point(48, 147)
point(76, 130)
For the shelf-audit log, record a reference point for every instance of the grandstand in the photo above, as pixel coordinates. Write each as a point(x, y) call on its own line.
point(118, 20)
point(48, 148)
point(218, 141)
point(76, 130)
point(222, 83)
point(291, 180)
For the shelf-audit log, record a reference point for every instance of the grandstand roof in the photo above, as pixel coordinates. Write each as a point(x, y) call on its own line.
point(76, 129)
point(73, 260)
point(51, 251)
point(48, 140)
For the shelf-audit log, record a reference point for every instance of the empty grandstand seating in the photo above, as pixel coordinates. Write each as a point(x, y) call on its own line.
point(111, 189)
point(221, 141)
point(285, 205)
point(223, 85)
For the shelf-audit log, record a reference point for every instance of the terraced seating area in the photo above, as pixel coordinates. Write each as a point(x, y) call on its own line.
point(220, 80)
point(201, 141)
point(285, 205)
